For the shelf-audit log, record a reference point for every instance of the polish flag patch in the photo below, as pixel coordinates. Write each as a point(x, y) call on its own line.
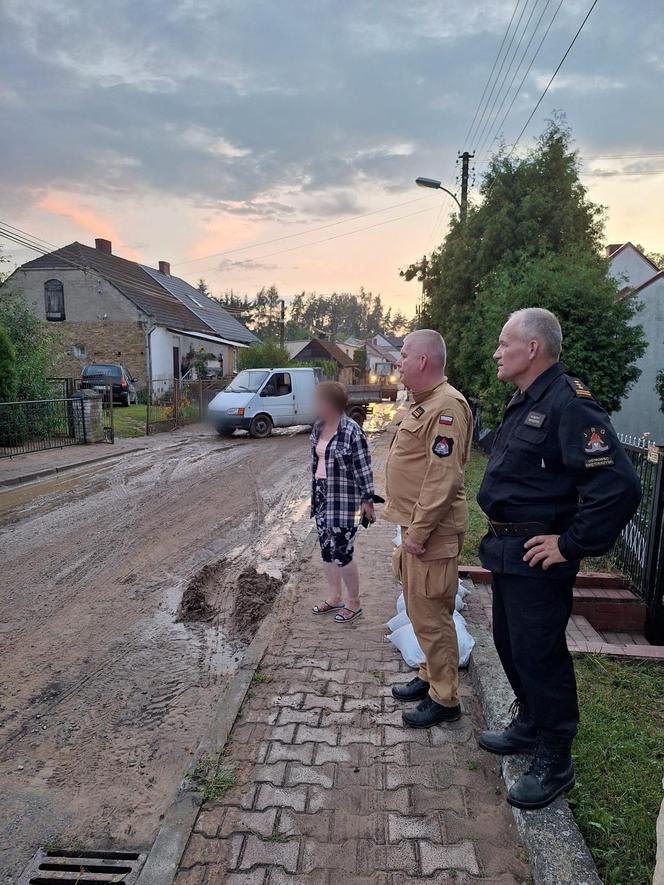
point(446, 419)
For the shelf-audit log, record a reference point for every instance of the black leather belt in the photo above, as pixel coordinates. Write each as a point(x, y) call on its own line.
point(517, 529)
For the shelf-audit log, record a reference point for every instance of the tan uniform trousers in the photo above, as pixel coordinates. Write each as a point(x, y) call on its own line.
point(429, 590)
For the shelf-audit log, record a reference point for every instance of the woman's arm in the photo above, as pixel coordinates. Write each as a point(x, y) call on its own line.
point(362, 470)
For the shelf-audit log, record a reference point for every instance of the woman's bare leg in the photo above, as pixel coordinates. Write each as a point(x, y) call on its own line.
point(351, 578)
point(333, 578)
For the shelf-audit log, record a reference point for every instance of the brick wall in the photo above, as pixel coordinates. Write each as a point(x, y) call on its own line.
point(105, 341)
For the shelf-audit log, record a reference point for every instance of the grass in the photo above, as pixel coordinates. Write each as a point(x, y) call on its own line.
point(261, 677)
point(212, 778)
point(619, 756)
point(129, 421)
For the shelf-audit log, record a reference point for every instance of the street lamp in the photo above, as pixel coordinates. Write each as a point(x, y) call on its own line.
point(436, 185)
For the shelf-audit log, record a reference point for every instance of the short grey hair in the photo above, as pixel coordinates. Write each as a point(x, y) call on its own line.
point(432, 344)
point(541, 325)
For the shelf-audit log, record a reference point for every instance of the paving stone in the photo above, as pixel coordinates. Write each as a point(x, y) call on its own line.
point(319, 877)
point(291, 752)
point(448, 857)
point(308, 717)
point(348, 735)
point(374, 858)
point(317, 735)
point(360, 800)
point(395, 734)
point(338, 857)
point(321, 702)
point(322, 775)
point(255, 877)
point(194, 876)
point(358, 826)
point(202, 850)
point(401, 826)
point(267, 773)
point(239, 821)
point(398, 776)
point(283, 854)
point(325, 753)
point(281, 797)
point(425, 800)
point(209, 820)
point(362, 704)
point(315, 826)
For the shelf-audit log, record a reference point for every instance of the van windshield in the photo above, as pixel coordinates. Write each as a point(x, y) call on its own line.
point(248, 381)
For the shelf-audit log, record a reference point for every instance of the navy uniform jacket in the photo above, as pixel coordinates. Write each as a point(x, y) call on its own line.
point(556, 460)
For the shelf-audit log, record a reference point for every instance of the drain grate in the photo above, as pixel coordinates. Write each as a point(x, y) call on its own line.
point(83, 867)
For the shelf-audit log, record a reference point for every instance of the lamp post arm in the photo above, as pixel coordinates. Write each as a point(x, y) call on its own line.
point(441, 188)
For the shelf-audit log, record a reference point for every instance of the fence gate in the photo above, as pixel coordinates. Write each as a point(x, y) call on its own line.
point(172, 404)
point(639, 552)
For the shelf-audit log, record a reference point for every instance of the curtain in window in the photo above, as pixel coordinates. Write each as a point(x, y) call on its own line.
point(54, 297)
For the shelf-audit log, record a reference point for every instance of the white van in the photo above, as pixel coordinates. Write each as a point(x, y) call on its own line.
point(259, 399)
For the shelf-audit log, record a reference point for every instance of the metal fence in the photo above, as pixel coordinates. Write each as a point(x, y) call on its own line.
point(172, 404)
point(67, 388)
point(35, 425)
point(639, 551)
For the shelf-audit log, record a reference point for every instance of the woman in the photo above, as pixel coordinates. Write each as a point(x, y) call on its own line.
point(341, 495)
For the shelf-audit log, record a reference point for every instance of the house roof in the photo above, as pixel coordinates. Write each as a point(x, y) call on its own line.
point(377, 350)
point(333, 351)
point(653, 279)
point(615, 249)
point(205, 308)
point(127, 277)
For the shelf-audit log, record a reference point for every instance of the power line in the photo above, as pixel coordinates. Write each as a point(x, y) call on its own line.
point(479, 132)
point(617, 172)
point(621, 156)
point(347, 233)
point(488, 80)
point(301, 233)
point(532, 61)
point(486, 129)
point(553, 77)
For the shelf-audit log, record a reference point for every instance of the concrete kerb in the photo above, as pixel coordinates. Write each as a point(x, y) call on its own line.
point(53, 471)
point(556, 849)
point(164, 857)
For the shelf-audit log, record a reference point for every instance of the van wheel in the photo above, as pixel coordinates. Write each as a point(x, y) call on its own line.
point(260, 427)
point(226, 432)
point(358, 415)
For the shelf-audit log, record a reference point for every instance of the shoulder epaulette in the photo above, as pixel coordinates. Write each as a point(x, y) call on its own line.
point(578, 387)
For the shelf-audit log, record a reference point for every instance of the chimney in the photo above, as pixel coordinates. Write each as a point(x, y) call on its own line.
point(104, 245)
point(165, 268)
point(613, 247)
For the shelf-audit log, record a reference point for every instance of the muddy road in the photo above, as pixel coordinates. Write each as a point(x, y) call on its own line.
point(105, 693)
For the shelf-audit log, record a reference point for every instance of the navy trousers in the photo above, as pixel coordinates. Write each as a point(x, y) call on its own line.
point(530, 616)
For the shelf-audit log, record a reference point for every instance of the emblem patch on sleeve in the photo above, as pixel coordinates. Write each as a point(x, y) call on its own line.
point(418, 412)
point(446, 419)
point(594, 440)
point(442, 446)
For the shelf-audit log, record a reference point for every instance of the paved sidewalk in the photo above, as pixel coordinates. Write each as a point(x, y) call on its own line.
point(330, 788)
point(35, 465)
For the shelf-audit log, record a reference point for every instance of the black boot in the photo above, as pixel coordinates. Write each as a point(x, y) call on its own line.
point(414, 690)
point(551, 773)
point(520, 736)
point(428, 713)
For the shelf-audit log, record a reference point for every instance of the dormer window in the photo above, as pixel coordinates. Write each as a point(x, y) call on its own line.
point(54, 300)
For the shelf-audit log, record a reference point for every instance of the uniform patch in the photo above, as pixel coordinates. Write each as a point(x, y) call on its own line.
point(535, 419)
point(442, 446)
point(418, 412)
point(446, 419)
point(599, 462)
point(594, 440)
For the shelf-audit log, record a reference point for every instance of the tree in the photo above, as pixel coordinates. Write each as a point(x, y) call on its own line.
point(267, 311)
point(267, 355)
point(659, 389)
point(241, 308)
point(202, 287)
point(7, 368)
point(535, 240)
point(37, 348)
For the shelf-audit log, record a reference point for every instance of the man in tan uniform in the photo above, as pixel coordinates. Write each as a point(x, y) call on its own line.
point(425, 496)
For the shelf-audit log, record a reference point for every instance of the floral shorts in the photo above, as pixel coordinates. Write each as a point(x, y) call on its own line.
point(336, 544)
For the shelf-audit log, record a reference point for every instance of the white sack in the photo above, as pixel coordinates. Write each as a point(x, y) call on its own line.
point(396, 540)
point(405, 640)
point(397, 621)
point(401, 603)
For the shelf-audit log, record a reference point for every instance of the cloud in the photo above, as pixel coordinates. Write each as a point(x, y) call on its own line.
point(87, 220)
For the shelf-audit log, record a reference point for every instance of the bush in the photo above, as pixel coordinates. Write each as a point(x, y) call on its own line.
point(267, 355)
point(7, 368)
point(36, 347)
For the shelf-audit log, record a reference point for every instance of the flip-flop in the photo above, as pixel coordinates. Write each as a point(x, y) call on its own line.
point(340, 618)
point(326, 608)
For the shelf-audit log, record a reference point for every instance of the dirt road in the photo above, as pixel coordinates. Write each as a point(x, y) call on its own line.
point(105, 693)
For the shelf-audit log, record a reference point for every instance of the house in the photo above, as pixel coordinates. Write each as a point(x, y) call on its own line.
point(294, 347)
point(380, 361)
point(350, 345)
point(388, 343)
point(110, 309)
point(641, 279)
point(317, 350)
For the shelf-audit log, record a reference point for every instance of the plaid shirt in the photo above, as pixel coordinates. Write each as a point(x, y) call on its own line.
point(349, 473)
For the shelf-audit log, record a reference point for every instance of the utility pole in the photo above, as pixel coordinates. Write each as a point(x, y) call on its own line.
point(466, 157)
point(282, 325)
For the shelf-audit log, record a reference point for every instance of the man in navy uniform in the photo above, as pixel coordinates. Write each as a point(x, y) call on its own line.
point(558, 487)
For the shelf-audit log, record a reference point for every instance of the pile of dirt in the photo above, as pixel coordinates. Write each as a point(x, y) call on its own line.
point(194, 605)
point(254, 596)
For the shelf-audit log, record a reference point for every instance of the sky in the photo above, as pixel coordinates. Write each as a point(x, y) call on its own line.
point(181, 129)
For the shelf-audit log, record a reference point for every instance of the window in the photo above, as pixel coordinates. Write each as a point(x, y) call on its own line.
point(79, 351)
point(278, 385)
point(54, 298)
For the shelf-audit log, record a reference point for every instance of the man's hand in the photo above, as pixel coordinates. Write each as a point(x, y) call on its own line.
point(368, 510)
point(543, 549)
point(413, 548)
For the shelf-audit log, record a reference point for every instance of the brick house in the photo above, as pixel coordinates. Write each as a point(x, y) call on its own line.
point(317, 350)
point(109, 309)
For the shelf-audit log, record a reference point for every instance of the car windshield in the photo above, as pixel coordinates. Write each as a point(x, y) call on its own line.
point(112, 371)
point(248, 381)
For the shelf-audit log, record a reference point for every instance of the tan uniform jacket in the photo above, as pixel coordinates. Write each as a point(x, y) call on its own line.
point(424, 471)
